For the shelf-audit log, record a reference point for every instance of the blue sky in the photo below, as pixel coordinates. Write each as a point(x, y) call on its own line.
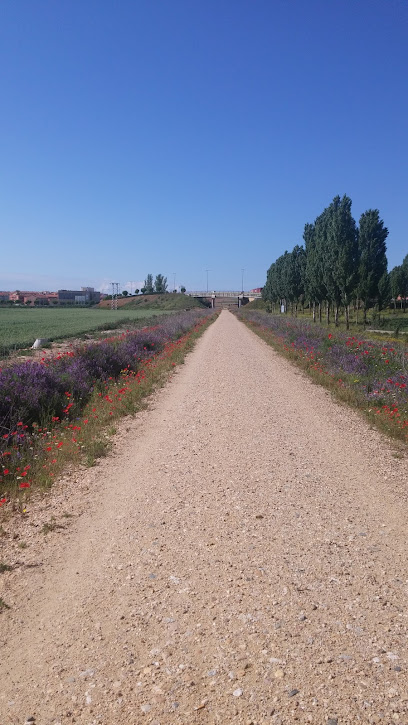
point(176, 136)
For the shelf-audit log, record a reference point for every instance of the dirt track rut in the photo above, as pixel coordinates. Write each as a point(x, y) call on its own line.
point(242, 559)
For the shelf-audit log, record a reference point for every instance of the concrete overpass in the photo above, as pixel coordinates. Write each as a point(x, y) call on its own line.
point(225, 298)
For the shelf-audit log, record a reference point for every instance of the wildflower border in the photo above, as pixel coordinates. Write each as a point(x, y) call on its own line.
point(67, 443)
point(387, 418)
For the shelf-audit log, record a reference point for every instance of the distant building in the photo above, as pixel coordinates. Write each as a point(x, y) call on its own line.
point(83, 296)
point(40, 298)
point(256, 291)
point(79, 297)
point(16, 296)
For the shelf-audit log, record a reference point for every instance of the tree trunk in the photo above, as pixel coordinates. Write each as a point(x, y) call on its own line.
point(328, 312)
point(347, 312)
point(320, 312)
point(357, 309)
point(365, 312)
point(314, 312)
point(336, 315)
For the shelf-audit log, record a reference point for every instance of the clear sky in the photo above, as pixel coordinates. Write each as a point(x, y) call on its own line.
point(176, 136)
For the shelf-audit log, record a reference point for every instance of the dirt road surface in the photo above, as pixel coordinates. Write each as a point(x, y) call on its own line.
point(241, 558)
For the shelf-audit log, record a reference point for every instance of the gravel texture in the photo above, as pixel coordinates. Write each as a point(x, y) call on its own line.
point(240, 558)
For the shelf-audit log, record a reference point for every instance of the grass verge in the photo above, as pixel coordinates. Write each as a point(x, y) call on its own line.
point(346, 387)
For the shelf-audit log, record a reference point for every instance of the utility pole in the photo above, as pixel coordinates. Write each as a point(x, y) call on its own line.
point(115, 292)
point(242, 279)
point(174, 281)
point(207, 270)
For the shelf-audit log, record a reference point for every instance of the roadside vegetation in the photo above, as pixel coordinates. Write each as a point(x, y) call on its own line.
point(341, 269)
point(387, 320)
point(341, 275)
point(60, 411)
point(371, 375)
point(19, 327)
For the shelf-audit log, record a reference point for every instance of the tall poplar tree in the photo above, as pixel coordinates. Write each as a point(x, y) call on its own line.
point(314, 291)
point(322, 268)
point(372, 256)
point(160, 284)
point(342, 254)
point(384, 291)
point(399, 283)
point(148, 285)
point(269, 293)
point(297, 275)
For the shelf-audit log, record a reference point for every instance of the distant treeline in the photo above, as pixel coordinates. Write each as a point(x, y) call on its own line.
point(340, 264)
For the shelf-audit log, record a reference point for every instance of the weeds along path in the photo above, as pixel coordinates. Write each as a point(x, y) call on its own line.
point(243, 559)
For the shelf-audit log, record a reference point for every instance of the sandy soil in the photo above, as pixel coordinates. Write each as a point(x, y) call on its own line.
point(240, 558)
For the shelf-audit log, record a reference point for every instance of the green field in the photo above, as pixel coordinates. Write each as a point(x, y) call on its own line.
point(20, 327)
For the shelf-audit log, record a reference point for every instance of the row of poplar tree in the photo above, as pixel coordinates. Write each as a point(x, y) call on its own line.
point(340, 264)
point(159, 286)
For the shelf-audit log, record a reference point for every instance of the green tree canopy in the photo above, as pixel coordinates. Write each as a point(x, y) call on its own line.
point(342, 253)
point(148, 285)
point(384, 291)
point(372, 256)
point(160, 284)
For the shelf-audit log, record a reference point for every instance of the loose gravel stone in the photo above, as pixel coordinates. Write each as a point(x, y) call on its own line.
point(166, 588)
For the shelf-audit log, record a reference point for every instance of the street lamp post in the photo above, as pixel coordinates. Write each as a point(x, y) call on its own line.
point(174, 281)
point(242, 279)
point(207, 270)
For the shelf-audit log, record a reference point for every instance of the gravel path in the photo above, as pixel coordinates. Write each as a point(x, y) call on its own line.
point(242, 558)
